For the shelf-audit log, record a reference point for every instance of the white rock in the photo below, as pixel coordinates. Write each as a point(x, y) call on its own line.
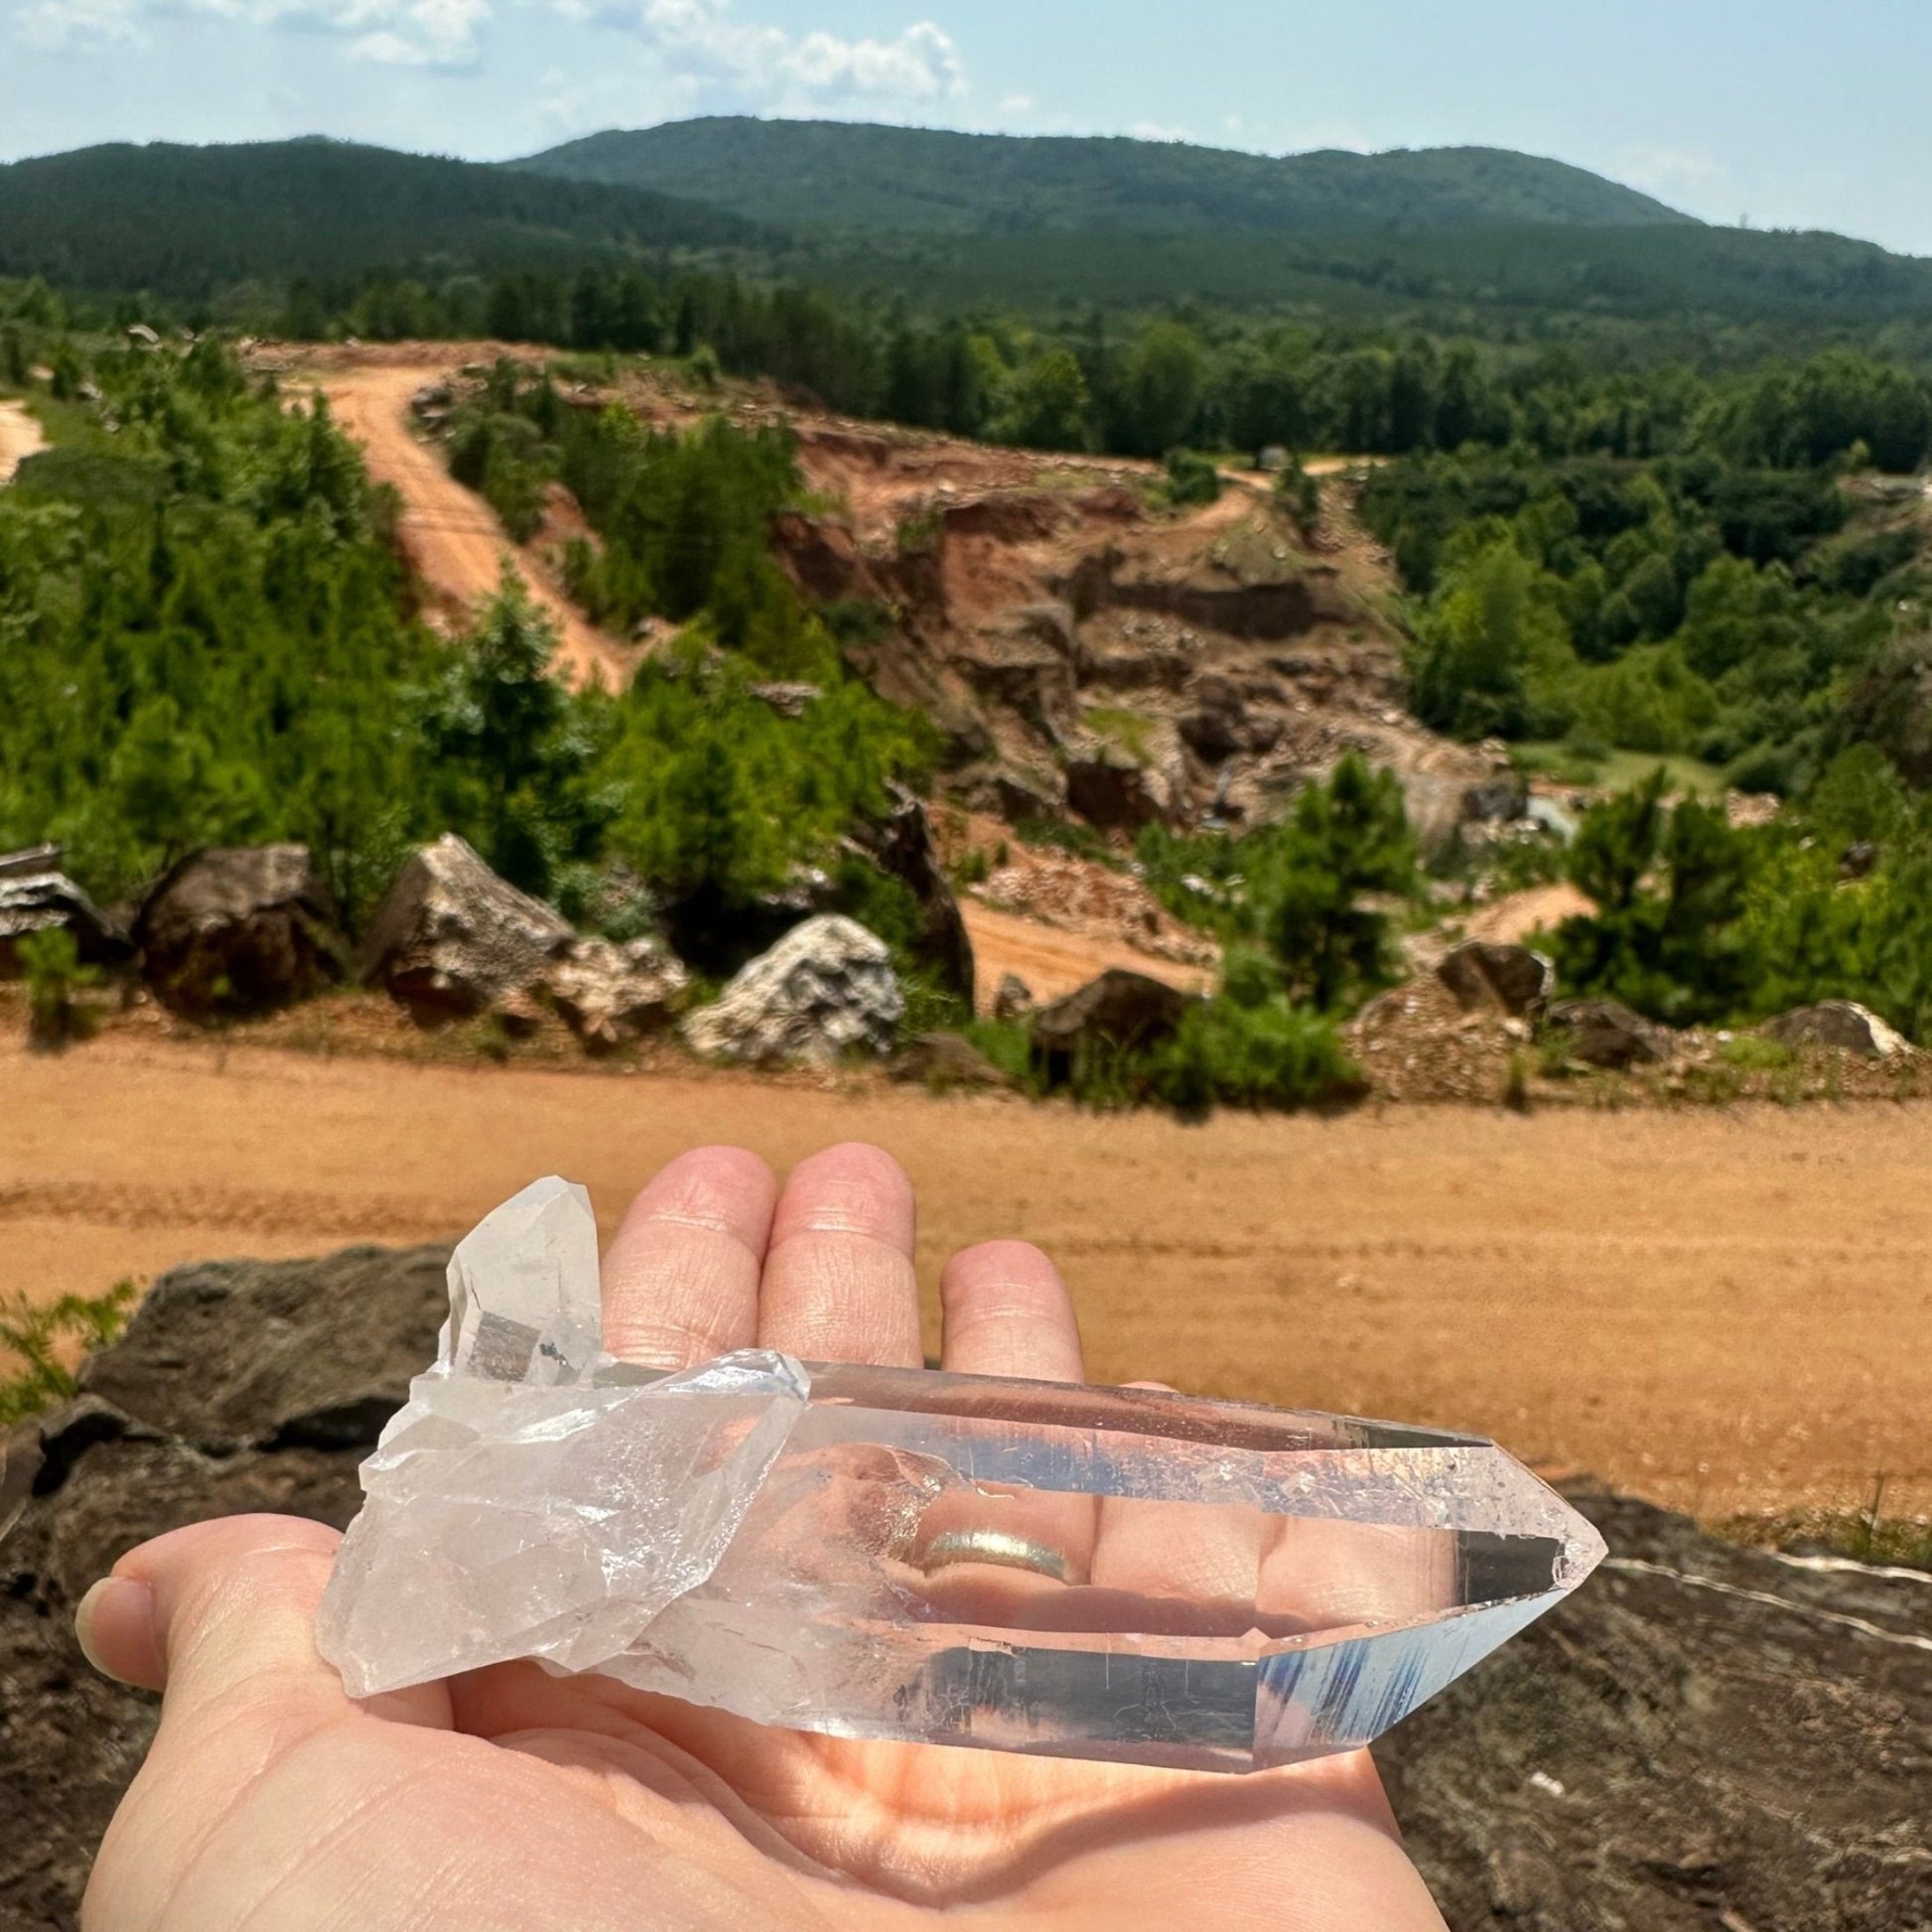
point(824, 992)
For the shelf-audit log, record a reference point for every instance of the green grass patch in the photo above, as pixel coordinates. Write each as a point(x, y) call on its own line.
point(44, 1338)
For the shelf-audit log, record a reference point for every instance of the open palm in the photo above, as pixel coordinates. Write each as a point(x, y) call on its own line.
point(513, 1801)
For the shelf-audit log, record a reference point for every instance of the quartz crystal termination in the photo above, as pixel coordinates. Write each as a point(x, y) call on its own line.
point(1108, 1574)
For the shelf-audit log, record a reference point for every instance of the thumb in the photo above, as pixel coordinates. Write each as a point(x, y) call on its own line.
point(223, 1610)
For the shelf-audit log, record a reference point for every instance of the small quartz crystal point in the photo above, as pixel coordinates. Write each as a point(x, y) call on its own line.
point(882, 1553)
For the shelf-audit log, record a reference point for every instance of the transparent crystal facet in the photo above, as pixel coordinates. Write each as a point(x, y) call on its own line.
point(896, 1554)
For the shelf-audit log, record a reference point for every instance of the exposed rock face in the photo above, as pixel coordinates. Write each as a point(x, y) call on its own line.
point(1700, 1738)
point(1512, 980)
point(1731, 1747)
point(900, 846)
point(453, 939)
point(1843, 1023)
point(1603, 1032)
point(1121, 1011)
point(824, 992)
point(37, 897)
point(611, 994)
point(247, 929)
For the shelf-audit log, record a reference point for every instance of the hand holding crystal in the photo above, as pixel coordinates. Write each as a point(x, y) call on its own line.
point(515, 1798)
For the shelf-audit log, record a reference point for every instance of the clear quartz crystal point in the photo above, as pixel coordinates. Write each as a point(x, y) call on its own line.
point(895, 1553)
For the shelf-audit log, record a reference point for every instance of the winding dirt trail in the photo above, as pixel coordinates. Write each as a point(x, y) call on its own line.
point(1726, 1310)
point(20, 435)
point(451, 536)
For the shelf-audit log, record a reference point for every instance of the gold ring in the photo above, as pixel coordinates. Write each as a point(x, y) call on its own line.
point(999, 1548)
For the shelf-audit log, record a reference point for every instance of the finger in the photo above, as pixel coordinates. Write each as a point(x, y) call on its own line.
point(1007, 1312)
point(224, 1612)
point(839, 1285)
point(681, 1278)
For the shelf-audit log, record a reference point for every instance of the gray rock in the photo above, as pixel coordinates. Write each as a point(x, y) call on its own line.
point(37, 897)
point(900, 846)
point(452, 937)
point(1604, 1032)
point(1120, 1012)
point(1014, 1000)
point(1842, 1024)
point(824, 992)
point(945, 1061)
point(1508, 979)
point(245, 929)
point(225, 1355)
point(611, 992)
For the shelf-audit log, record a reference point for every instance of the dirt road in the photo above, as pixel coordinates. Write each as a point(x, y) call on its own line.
point(20, 437)
point(1726, 1310)
point(452, 536)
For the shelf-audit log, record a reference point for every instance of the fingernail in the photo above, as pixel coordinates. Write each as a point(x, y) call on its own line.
point(116, 1621)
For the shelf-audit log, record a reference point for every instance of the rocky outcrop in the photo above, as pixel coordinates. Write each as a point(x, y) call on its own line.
point(611, 994)
point(453, 939)
point(1840, 1023)
point(900, 846)
point(1510, 979)
point(241, 931)
point(1121, 1012)
point(1013, 999)
point(1607, 1033)
point(1702, 1737)
point(825, 993)
point(36, 896)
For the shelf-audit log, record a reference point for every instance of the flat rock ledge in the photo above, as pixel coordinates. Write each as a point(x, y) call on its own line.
point(1703, 1737)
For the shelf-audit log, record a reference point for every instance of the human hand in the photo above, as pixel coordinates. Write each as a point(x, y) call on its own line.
point(513, 1801)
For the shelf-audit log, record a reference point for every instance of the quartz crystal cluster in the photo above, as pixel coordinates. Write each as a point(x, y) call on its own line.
point(1112, 1574)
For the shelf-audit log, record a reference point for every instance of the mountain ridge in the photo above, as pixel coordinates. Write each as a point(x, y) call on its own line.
point(875, 177)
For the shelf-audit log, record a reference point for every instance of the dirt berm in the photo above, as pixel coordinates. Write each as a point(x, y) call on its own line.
point(1704, 1737)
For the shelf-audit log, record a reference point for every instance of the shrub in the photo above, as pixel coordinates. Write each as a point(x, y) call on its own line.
point(42, 1337)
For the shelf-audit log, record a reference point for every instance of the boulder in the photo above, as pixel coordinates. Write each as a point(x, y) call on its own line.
point(1842, 1024)
point(611, 992)
point(826, 992)
point(1111, 792)
point(946, 1060)
point(1120, 1012)
point(1511, 980)
point(237, 930)
point(453, 939)
point(900, 846)
point(1604, 1032)
point(1014, 1000)
point(37, 897)
point(1636, 1759)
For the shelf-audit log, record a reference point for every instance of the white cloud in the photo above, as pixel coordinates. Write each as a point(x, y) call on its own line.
point(78, 24)
point(397, 33)
point(704, 42)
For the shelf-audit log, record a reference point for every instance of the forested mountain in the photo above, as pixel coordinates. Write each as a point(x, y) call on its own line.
point(834, 174)
point(190, 222)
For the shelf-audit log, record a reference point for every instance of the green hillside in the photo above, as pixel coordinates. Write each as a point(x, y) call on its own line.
point(1472, 279)
point(191, 221)
point(925, 180)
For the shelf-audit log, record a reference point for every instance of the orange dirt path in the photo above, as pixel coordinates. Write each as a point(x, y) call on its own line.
point(1054, 962)
point(451, 536)
point(20, 435)
point(1726, 1310)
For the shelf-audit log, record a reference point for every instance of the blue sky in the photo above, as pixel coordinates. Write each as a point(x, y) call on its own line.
point(1791, 112)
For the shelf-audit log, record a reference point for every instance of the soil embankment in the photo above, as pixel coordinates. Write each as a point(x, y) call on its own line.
point(1722, 1310)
